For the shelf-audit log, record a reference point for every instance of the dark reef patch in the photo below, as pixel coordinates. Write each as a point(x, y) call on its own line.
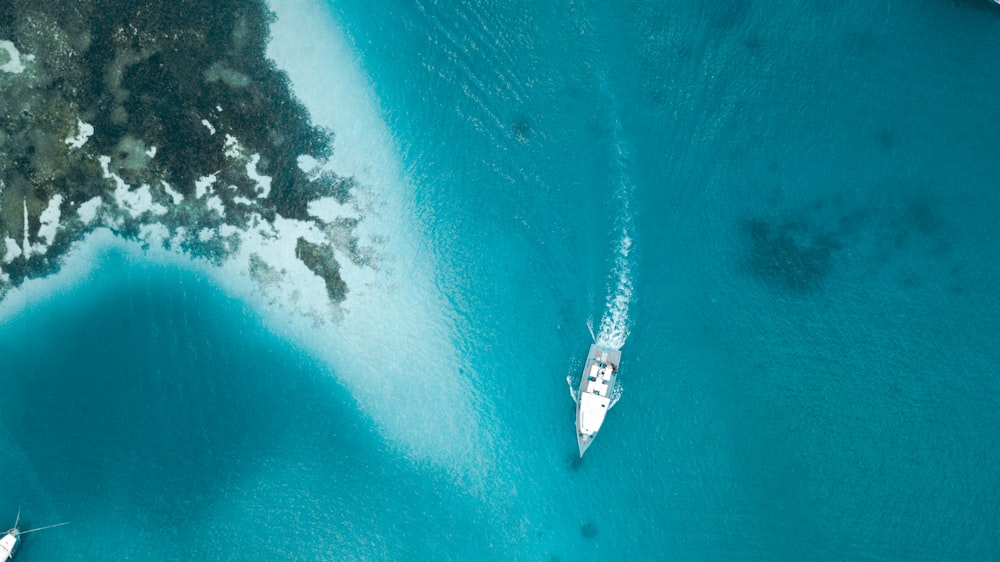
point(320, 260)
point(588, 530)
point(522, 127)
point(921, 214)
point(982, 5)
point(790, 254)
point(175, 92)
point(798, 247)
point(753, 45)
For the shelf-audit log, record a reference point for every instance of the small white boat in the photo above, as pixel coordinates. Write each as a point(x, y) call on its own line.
point(12, 539)
point(597, 393)
point(9, 543)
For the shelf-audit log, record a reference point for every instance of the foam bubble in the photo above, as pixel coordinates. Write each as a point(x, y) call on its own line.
point(614, 328)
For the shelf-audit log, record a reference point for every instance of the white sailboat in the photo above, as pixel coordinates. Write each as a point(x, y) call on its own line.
point(10, 542)
point(597, 393)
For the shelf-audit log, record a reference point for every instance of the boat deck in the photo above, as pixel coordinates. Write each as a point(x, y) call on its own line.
point(596, 392)
point(600, 372)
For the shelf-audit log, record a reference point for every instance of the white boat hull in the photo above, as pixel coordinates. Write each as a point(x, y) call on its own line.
point(9, 544)
point(596, 393)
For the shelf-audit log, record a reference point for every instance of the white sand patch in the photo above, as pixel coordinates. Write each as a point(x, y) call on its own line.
point(151, 152)
point(309, 165)
point(49, 220)
point(86, 131)
point(232, 147)
point(134, 202)
point(328, 209)
point(211, 129)
point(13, 251)
point(126, 199)
point(177, 240)
point(14, 64)
point(203, 185)
point(140, 201)
point(154, 234)
point(174, 194)
point(206, 234)
point(297, 300)
point(214, 203)
point(105, 162)
point(398, 334)
point(263, 182)
point(239, 199)
point(88, 209)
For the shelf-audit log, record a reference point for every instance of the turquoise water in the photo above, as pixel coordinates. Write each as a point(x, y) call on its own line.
point(810, 189)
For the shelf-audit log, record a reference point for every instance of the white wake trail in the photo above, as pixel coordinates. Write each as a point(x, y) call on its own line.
point(614, 328)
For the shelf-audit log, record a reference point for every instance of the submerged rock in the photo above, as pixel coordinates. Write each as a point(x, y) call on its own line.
point(321, 261)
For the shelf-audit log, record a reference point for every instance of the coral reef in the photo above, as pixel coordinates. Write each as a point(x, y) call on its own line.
point(164, 122)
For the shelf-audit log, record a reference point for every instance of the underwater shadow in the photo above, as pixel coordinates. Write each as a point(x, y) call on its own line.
point(790, 255)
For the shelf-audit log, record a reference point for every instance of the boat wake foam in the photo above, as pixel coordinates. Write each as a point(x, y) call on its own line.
point(614, 327)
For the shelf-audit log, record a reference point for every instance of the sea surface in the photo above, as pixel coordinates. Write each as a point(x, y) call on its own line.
point(784, 211)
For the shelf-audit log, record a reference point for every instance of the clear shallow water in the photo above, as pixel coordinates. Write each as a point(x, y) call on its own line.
point(811, 370)
point(153, 411)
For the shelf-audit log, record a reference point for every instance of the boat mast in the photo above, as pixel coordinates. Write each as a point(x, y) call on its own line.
point(43, 528)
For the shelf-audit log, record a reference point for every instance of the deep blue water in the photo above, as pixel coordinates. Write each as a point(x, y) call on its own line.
point(811, 370)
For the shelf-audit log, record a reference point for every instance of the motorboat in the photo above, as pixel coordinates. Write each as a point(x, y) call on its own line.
point(597, 393)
